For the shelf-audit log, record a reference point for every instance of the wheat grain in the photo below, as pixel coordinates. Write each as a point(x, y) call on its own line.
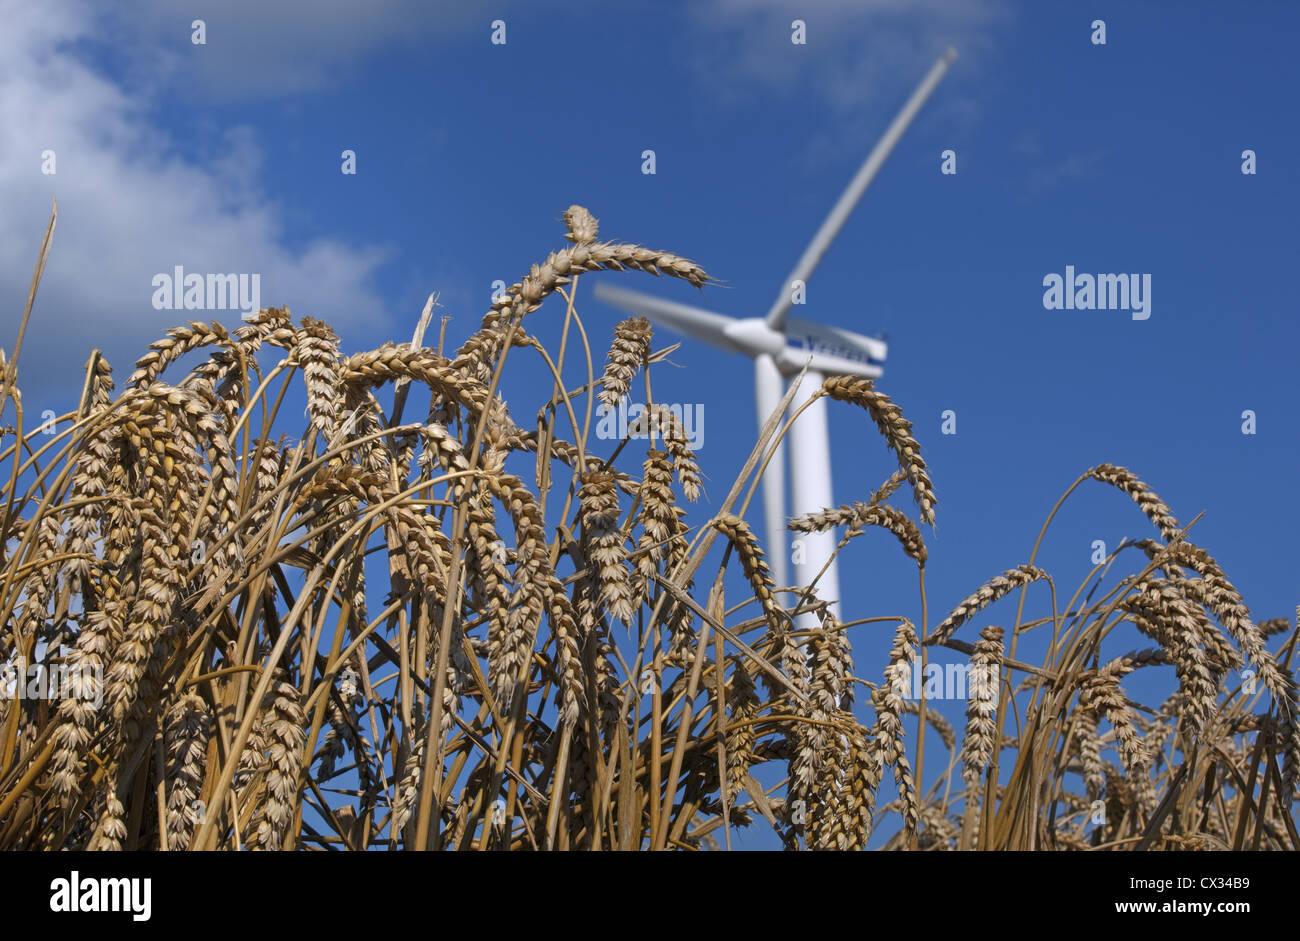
point(860, 515)
point(92, 470)
point(186, 739)
point(832, 666)
point(528, 600)
point(1089, 744)
point(1217, 594)
point(897, 432)
point(1103, 695)
point(582, 225)
point(985, 673)
point(1146, 499)
point(1178, 630)
point(987, 594)
point(755, 565)
point(408, 779)
point(887, 700)
point(397, 361)
point(178, 342)
point(605, 543)
point(317, 351)
point(567, 660)
point(526, 296)
point(627, 355)
point(75, 720)
point(659, 517)
point(285, 735)
point(111, 829)
point(741, 737)
point(491, 578)
point(663, 420)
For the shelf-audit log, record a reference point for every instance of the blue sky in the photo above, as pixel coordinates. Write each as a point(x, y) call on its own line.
point(1123, 157)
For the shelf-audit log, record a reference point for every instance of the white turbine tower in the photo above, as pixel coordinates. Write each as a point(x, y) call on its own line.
point(781, 346)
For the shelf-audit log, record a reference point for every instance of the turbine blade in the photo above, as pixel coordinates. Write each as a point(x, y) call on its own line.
point(691, 321)
point(866, 173)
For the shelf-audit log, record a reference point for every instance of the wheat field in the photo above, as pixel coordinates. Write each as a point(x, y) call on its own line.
point(376, 630)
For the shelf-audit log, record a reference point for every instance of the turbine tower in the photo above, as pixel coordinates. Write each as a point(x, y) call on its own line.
point(781, 346)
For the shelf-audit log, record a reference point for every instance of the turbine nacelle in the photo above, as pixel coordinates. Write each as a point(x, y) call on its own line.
point(829, 350)
point(834, 351)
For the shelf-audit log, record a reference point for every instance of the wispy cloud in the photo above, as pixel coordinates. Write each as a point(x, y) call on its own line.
point(1047, 168)
point(856, 50)
point(1072, 167)
point(862, 59)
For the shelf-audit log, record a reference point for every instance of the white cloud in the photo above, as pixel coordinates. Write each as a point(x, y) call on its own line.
point(131, 207)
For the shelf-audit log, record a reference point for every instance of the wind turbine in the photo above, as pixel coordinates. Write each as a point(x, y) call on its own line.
point(781, 346)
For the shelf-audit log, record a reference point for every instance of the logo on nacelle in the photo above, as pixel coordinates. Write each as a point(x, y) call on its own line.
point(832, 341)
